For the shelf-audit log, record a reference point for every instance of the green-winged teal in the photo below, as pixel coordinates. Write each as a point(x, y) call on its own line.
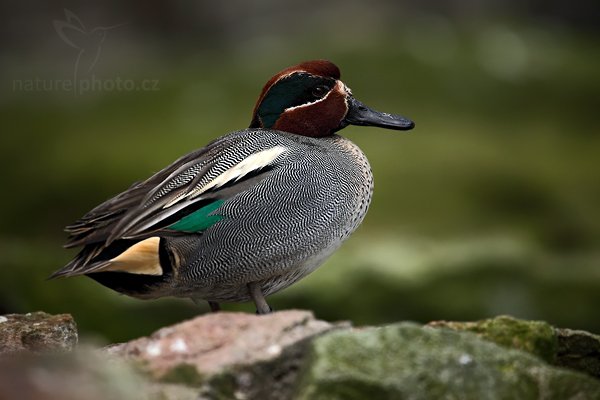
point(249, 214)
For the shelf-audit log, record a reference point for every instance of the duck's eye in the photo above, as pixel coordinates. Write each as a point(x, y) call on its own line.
point(319, 91)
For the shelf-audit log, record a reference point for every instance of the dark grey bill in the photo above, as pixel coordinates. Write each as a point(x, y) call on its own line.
point(359, 114)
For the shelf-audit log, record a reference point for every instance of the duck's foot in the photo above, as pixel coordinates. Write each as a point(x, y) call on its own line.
point(259, 299)
point(270, 311)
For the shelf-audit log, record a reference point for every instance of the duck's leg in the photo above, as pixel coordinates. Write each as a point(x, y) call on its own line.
point(259, 300)
point(214, 306)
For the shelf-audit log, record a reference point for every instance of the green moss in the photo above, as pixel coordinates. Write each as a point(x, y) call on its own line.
point(186, 374)
point(349, 389)
point(222, 386)
point(535, 337)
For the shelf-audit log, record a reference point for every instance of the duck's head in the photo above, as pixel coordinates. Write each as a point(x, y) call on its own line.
point(310, 99)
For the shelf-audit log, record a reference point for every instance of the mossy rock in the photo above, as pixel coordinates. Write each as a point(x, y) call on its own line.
point(407, 361)
point(535, 337)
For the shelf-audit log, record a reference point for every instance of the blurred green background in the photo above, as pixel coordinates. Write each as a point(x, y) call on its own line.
point(490, 206)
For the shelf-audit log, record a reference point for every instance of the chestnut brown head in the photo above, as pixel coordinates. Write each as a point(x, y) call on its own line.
point(309, 99)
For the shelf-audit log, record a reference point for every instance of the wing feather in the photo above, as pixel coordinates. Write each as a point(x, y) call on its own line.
point(224, 168)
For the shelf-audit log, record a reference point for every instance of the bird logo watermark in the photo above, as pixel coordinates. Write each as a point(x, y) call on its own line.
point(87, 43)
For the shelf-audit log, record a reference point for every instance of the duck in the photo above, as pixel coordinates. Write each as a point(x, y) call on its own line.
point(250, 213)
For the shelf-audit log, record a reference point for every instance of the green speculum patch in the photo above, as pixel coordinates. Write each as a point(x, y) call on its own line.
point(200, 219)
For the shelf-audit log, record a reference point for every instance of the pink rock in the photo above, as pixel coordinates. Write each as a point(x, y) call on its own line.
point(215, 342)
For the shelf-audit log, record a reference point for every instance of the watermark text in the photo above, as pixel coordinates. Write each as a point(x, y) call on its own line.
point(81, 86)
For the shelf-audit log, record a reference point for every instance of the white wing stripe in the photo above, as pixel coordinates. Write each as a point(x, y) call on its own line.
point(253, 162)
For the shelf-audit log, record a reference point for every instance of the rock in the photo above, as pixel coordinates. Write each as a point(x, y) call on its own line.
point(228, 354)
point(291, 355)
point(37, 332)
point(578, 350)
point(83, 374)
point(408, 361)
point(535, 337)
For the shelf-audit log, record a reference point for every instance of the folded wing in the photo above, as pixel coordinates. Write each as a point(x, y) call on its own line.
point(182, 198)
